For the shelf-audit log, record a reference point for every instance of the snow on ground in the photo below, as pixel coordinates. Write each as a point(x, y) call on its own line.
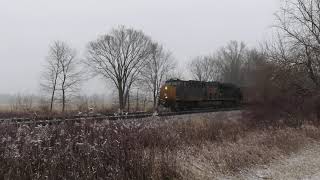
point(303, 165)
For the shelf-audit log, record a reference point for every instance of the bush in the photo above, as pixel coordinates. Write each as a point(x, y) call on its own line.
point(85, 151)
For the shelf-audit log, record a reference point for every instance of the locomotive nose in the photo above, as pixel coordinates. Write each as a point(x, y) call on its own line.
point(165, 94)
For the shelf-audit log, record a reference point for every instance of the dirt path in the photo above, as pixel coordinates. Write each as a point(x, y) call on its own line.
point(302, 165)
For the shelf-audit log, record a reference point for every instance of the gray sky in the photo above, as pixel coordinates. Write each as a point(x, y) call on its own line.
point(186, 27)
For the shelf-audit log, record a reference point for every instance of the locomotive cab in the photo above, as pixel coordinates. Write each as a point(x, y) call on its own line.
point(168, 94)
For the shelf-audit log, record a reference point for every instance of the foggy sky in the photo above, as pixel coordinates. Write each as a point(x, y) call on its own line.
point(188, 28)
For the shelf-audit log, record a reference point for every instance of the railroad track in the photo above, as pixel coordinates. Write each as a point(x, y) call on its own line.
point(100, 117)
point(68, 117)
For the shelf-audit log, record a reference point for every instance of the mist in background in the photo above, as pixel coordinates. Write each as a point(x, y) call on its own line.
point(188, 28)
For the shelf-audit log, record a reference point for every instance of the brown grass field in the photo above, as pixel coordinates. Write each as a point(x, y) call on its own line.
point(183, 147)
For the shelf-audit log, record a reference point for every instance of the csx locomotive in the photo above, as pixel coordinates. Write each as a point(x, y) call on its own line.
point(182, 95)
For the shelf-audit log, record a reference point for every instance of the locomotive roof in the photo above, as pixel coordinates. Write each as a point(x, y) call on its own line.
point(195, 81)
point(201, 82)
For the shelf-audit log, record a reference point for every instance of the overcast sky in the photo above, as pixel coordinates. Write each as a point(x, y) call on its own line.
point(186, 27)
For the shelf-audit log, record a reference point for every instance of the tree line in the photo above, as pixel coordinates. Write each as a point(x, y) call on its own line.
point(291, 56)
point(128, 58)
point(125, 57)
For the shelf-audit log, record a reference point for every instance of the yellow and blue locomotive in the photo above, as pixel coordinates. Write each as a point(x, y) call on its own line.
point(182, 95)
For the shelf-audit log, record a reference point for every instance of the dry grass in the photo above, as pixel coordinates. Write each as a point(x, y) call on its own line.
point(154, 148)
point(255, 148)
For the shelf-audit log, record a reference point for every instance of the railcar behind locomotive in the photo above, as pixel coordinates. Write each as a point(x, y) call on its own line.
point(181, 95)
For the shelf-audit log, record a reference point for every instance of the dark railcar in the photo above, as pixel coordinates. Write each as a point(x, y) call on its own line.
point(181, 95)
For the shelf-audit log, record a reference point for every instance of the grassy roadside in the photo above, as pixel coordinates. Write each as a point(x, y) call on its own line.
point(214, 159)
point(184, 147)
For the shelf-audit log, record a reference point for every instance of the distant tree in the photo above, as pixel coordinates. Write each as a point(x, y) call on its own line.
point(230, 62)
point(177, 74)
point(233, 63)
point(71, 75)
point(255, 61)
point(22, 102)
point(61, 72)
point(119, 56)
point(225, 64)
point(51, 72)
point(159, 67)
point(203, 68)
point(82, 103)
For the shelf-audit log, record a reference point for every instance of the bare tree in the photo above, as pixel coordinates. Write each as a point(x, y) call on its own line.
point(119, 56)
point(61, 72)
point(52, 70)
point(299, 22)
point(225, 64)
point(255, 61)
point(290, 65)
point(158, 69)
point(82, 103)
point(233, 63)
point(230, 62)
point(203, 68)
point(22, 102)
point(71, 75)
point(177, 74)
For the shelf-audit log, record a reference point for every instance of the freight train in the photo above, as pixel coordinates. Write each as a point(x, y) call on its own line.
point(181, 95)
